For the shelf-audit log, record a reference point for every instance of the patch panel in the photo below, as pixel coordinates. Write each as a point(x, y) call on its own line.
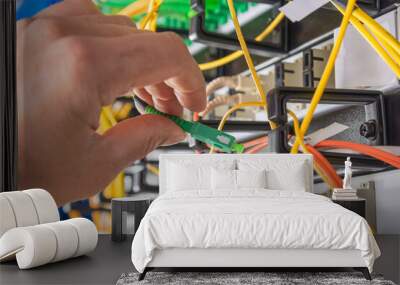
point(314, 61)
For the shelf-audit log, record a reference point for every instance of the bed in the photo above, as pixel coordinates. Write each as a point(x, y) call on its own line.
point(247, 211)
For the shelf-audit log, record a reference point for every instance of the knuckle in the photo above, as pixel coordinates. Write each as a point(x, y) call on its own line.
point(175, 39)
point(177, 46)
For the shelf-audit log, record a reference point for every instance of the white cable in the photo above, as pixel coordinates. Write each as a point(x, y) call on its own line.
point(45, 205)
point(219, 82)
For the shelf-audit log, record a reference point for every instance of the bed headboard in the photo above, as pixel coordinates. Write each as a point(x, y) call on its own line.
point(285, 161)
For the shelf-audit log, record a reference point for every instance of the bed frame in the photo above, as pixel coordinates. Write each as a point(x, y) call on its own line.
point(245, 259)
point(249, 259)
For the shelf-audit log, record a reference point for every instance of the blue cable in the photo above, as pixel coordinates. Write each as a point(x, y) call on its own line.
point(29, 8)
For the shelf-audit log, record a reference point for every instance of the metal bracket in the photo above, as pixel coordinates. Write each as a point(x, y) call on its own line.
point(277, 112)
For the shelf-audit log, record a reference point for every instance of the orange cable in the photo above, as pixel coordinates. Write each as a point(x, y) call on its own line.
point(326, 166)
point(256, 141)
point(256, 148)
point(364, 149)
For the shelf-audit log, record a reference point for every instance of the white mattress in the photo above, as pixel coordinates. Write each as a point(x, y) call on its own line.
point(253, 218)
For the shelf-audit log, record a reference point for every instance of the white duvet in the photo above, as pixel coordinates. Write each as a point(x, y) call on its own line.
point(254, 218)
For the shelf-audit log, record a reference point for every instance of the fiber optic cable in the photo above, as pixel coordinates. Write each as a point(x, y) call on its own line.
point(123, 112)
point(375, 44)
point(326, 74)
point(149, 22)
point(383, 35)
point(233, 109)
point(390, 50)
point(321, 165)
point(237, 54)
point(245, 50)
point(253, 142)
point(326, 167)
point(220, 101)
point(153, 169)
point(377, 28)
point(248, 58)
point(256, 148)
point(135, 8)
point(216, 138)
point(363, 149)
point(109, 115)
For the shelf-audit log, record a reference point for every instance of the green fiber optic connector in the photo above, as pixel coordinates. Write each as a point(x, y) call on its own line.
point(198, 131)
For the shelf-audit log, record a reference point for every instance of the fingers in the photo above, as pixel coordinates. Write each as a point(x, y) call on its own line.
point(143, 59)
point(134, 138)
point(109, 19)
point(144, 95)
point(164, 99)
point(53, 29)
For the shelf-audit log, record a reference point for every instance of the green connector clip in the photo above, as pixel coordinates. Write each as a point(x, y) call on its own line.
point(198, 131)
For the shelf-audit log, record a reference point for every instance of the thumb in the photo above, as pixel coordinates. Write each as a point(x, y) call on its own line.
point(134, 138)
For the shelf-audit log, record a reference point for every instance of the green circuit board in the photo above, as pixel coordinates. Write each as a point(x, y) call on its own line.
point(176, 14)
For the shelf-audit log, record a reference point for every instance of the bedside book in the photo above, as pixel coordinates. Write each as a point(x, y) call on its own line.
point(344, 194)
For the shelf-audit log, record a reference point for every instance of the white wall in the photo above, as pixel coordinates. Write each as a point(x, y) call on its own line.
point(387, 191)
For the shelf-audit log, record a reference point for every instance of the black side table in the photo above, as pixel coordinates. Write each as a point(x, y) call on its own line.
point(357, 205)
point(136, 204)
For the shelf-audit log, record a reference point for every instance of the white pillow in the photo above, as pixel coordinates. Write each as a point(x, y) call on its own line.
point(251, 178)
point(293, 180)
point(282, 174)
point(223, 179)
point(193, 175)
point(187, 177)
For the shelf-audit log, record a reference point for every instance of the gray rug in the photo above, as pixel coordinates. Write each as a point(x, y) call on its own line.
point(243, 278)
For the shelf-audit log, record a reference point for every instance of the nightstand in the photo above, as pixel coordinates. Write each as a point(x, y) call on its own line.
point(122, 208)
point(358, 205)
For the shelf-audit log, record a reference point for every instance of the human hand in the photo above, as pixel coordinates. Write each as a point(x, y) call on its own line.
point(72, 61)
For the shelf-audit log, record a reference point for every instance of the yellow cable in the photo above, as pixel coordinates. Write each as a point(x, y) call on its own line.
point(317, 168)
point(150, 21)
point(233, 109)
point(271, 27)
point(221, 61)
point(153, 169)
point(153, 23)
point(123, 112)
point(374, 43)
point(377, 29)
point(104, 124)
point(237, 54)
point(136, 8)
point(390, 50)
point(247, 56)
point(109, 115)
point(147, 21)
point(326, 74)
point(296, 125)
